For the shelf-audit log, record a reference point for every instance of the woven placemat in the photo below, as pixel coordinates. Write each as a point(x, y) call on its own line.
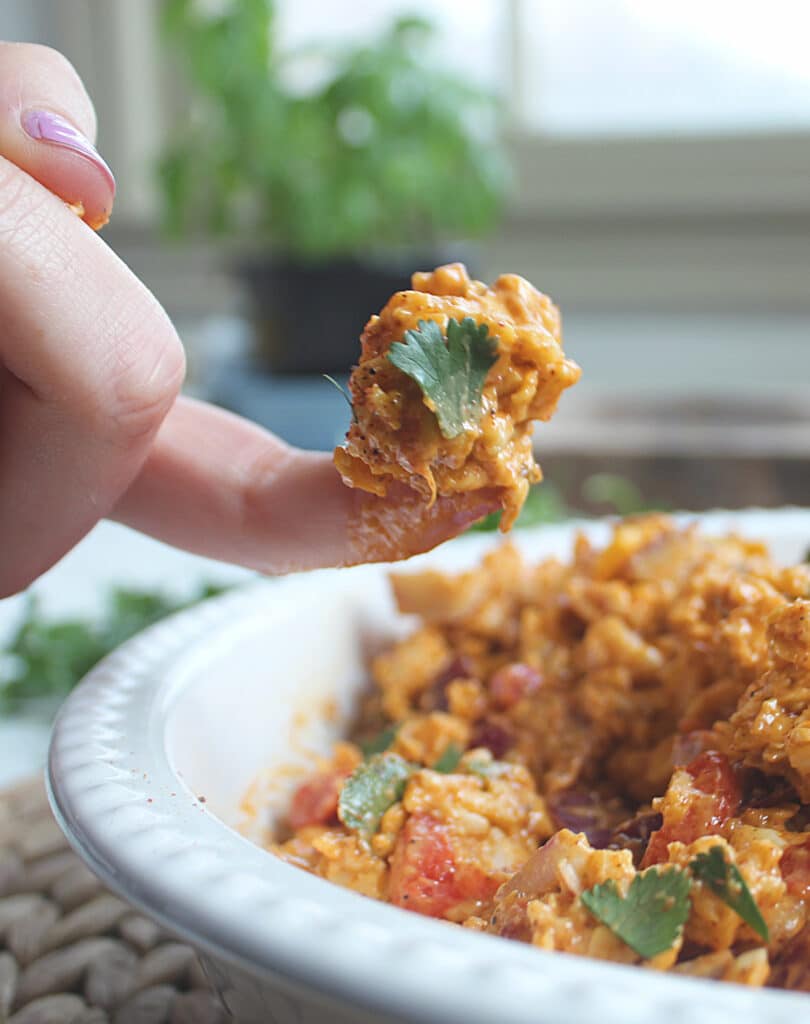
point(71, 952)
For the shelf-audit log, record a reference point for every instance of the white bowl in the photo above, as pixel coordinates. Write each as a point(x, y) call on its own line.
point(152, 754)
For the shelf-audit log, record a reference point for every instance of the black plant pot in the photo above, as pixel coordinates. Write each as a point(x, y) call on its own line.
point(308, 317)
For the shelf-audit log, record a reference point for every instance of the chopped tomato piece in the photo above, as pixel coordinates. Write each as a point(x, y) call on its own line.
point(657, 846)
point(315, 802)
point(795, 868)
point(705, 806)
point(512, 682)
point(714, 776)
point(425, 875)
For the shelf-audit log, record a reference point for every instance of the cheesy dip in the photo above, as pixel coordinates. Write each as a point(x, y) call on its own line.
point(609, 757)
point(451, 377)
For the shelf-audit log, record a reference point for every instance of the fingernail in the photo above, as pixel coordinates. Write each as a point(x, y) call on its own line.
point(45, 126)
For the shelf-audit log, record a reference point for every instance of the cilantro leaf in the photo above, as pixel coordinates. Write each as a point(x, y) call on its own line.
point(452, 374)
point(650, 918)
point(370, 790)
point(377, 744)
point(724, 880)
point(449, 760)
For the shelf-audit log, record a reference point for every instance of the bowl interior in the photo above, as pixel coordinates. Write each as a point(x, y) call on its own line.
point(250, 711)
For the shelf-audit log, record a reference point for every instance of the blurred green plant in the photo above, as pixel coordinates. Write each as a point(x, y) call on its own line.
point(623, 496)
point(388, 148)
point(45, 659)
point(546, 504)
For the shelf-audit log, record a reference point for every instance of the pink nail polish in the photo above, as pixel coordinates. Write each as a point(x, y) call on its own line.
point(45, 126)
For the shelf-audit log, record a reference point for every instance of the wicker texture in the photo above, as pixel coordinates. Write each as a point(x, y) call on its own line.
point(70, 952)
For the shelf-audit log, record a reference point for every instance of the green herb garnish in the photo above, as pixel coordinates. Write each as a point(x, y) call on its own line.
point(725, 881)
point(370, 790)
point(377, 744)
point(451, 374)
point(650, 918)
point(449, 760)
point(342, 390)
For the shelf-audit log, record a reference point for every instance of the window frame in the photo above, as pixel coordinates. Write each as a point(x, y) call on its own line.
point(718, 176)
point(709, 220)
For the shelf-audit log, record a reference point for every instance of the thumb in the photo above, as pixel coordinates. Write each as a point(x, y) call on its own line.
point(48, 126)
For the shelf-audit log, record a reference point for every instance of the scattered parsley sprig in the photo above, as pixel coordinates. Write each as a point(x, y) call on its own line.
point(650, 918)
point(450, 373)
point(725, 880)
point(449, 760)
point(378, 743)
point(371, 789)
point(380, 781)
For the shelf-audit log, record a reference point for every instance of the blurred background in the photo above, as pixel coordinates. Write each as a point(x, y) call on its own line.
point(283, 165)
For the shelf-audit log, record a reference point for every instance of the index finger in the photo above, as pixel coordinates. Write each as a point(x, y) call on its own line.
point(89, 365)
point(220, 486)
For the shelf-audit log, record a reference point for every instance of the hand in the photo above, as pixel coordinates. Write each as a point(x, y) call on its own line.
point(90, 369)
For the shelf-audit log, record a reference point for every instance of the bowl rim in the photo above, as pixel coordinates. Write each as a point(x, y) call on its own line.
point(134, 821)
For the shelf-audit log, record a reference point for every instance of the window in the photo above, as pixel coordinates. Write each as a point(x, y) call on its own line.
point(474, 35)
point(651, 67)
point(662, 149)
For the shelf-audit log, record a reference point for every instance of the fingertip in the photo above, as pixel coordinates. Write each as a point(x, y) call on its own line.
point(64, 160)
point(48, 127)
